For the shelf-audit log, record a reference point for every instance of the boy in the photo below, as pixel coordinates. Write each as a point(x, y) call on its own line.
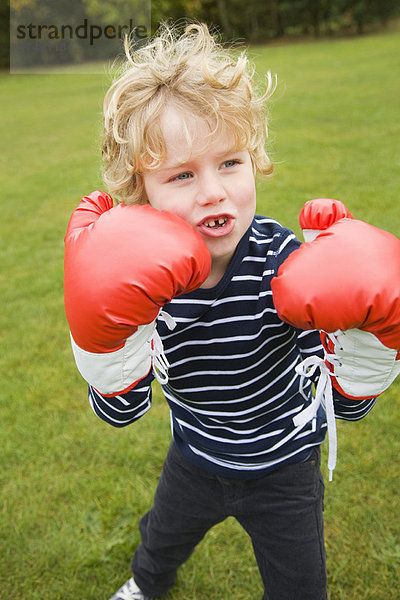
point(185, 134)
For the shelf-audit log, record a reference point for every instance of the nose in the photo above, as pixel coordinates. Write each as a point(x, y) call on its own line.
point(210, 190)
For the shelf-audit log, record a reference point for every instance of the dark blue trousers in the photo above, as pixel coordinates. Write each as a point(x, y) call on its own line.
point(282, 512)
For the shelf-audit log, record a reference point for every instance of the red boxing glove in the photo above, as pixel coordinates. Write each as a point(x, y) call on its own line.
point(346, 280)
point(122, 264)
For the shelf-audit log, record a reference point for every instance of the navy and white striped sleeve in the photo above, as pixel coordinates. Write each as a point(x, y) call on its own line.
point(309, 343)
point(348, 409)
point(123, 409)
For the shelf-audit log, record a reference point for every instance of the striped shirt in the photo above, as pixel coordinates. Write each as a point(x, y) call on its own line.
point(233, 390)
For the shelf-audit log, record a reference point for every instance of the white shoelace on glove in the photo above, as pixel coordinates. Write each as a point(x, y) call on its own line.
point(323, 397)
point(160, 361)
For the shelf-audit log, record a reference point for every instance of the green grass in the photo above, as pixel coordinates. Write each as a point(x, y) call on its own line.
point(71, 488)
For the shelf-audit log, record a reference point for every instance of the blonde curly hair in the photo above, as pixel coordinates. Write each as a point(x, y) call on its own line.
point(198, 75)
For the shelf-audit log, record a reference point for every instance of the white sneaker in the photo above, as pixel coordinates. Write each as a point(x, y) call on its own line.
point(130, 591)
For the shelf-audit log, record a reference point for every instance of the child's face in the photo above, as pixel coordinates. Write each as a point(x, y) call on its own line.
point(207, 182)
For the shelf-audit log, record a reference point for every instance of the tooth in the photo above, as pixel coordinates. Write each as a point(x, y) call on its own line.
point(222, 221)
point(211, 223)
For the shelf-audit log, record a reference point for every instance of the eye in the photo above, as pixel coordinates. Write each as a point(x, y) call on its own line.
point(181, 177)
point(232, 162)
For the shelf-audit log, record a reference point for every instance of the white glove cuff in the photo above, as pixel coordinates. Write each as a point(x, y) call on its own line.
point(113, 373)
point(365, 367)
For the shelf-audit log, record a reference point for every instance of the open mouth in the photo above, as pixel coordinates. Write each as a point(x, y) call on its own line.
point(215, 223)
point(216, 226)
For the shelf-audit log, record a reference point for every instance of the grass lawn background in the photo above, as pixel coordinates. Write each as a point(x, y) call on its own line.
point(71, 488)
